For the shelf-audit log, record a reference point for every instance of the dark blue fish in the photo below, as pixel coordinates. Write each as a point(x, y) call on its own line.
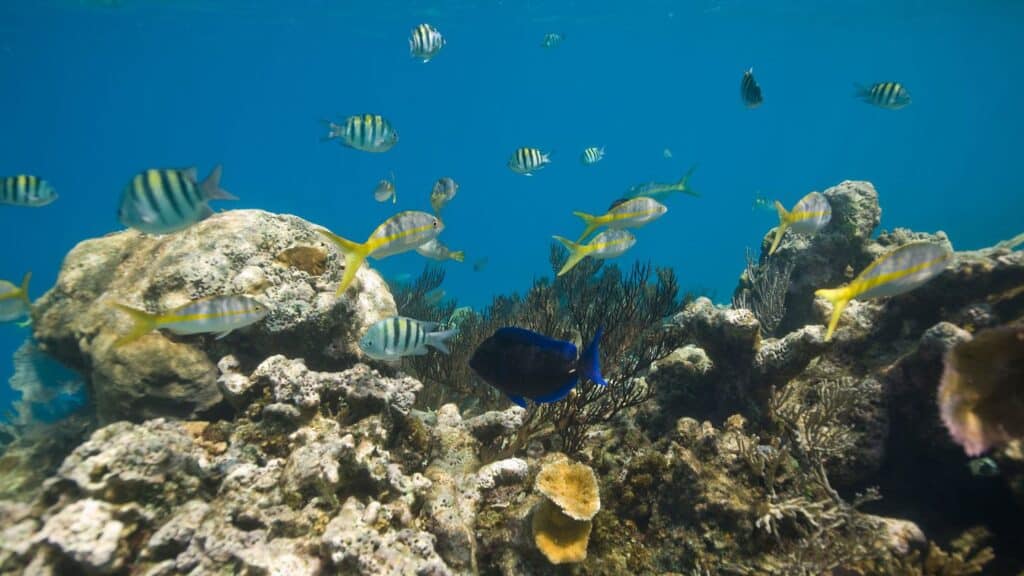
point(525, 364)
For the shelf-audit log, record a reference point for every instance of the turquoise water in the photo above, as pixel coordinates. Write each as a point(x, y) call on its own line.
point(96, 91)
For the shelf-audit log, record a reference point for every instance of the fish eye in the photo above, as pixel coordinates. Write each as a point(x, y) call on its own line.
point(435, 223)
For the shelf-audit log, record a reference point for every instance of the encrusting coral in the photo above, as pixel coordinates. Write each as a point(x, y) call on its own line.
point(561, 522)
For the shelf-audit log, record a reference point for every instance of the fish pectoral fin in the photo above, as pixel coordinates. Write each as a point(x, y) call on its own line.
point(223, 334)
point(560, 393)
point(518, 400)
point(148, 215)
point(26, 323)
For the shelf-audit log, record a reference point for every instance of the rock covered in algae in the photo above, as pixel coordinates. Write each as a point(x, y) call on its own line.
point(274, 258)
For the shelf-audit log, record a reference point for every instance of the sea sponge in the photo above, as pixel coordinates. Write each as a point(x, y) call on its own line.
point(561, 523)
point(981, 398)
point(560, 538)
point(571, 486)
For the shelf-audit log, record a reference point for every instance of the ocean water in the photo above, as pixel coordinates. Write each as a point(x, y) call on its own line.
point(95, 91)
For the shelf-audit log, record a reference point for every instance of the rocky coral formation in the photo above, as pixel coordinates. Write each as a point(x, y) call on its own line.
point(755, 455)
point(281, 260)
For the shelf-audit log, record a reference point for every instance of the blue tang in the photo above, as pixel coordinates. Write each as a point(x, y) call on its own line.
point(524, 364)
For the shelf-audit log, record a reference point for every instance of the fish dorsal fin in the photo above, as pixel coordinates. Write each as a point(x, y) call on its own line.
point(191, 174)
point(521, 335)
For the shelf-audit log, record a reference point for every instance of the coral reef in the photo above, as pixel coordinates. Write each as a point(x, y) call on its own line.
point(719, 447)
point(280, 260)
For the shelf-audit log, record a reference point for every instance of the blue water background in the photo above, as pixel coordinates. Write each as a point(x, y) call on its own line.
point(94, 92)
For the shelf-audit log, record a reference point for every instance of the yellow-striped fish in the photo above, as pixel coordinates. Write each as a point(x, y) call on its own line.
point(810, 215)
point(899, 271)
point(888, 95)
point(659, 190)
point(527, 160)
point(400, 233)
point(632, 213)
point(366, 132)
point(14, 301)
point(164, 201)
point(425, 42)
point(219, 315)
point(435, 250)
point(607, 244)
point(26, 190)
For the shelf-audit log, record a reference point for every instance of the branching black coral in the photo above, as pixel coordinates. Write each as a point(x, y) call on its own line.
point(765, 291)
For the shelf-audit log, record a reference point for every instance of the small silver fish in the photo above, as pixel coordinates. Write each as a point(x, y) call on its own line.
point(386, 189)
point(666, 154)
point(592, 155)
point(435, 250)
point(983, 467)
point(552, 39)
point(444, 190)
point(397, 336)
point(425, 42)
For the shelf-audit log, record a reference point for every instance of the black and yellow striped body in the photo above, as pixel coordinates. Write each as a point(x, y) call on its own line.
point(425, 42)
point(526, 160)
point(394, 338)
point(26, 190)
point(366, 132)
point(889, 95)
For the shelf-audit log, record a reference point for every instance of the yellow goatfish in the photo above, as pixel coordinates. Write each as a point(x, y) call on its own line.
point(809, 215)
point(632, 213)
point(218, 315)
point(899, 271)
point(607, 244)
point(402, 232)
point(14, 301)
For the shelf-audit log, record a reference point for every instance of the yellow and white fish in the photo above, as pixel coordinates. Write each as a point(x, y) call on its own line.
point(632, 213)
point(810, 215)
point(386, 189)
point(219, 315)
point(899, 271)
point(607, 244)
point(435, 250)
point(14, 301)
point(402, 232)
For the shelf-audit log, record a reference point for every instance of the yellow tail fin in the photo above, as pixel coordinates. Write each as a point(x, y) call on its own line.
point(144, 324)
point(783, 225)
point(838, 297)
point(592, 222)
point(355, 254)
point(458, 255)
point(684, 183)
point(23, 291)
point(576, 253)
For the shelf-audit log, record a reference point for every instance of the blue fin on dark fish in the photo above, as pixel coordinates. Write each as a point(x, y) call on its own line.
point(565, 349)
point(590, 361)
point(518, 400)
point(560, 393)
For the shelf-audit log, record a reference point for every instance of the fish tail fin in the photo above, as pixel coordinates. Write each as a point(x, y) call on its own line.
point(590, 361)
point(861, 92)
point(592, 224)
point(437, 339)
point(783, 225)
point(331, 134)
point(144, 323)
point(355, 254)
point(684, 183)
point(458, 255)
point(23, 290)
point(838, 297)
point(211, 186)
point(576, 253)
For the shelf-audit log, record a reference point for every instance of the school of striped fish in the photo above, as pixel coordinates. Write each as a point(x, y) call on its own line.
point(170, 200)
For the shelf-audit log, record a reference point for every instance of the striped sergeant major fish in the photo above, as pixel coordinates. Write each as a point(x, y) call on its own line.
point(897, 272)
point(425, 42)
point(14, 301)
point(810, 215)
point(397, 336)
point(607, 244)
point(219, 315)
point(888, 95)
point(402, 232)
point(366, 132)
point(592, 155)
point(632, 213)
point(526, 160)
point(26, 190)
point(386, 190)
point(750, 92)
point(442, 193)
point(162, 201)
point(551, 40)
point(435, 250)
